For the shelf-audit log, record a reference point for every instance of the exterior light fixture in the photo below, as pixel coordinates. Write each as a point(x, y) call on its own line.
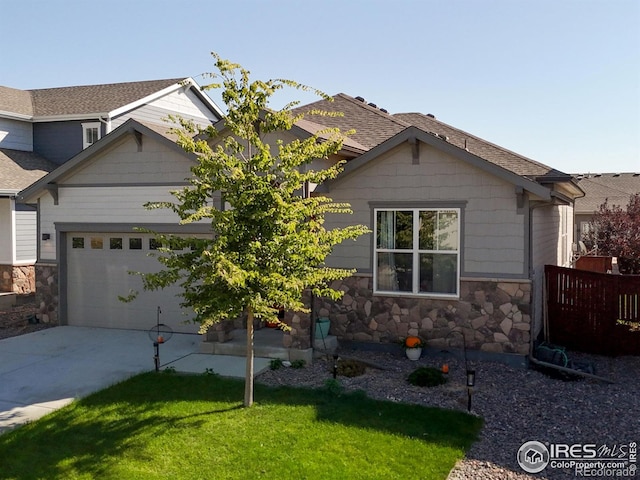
point(46, 236)
point(471, 381)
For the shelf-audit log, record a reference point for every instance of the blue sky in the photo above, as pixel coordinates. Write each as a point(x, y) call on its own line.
point(557, 81)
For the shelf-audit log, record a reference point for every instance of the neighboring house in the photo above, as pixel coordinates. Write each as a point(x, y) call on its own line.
point(614, 188)
point(41, 129)
point(461, 230)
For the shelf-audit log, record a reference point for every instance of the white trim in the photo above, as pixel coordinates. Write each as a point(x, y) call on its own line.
point(85, 128)
point(15, 116)
point(415, 252)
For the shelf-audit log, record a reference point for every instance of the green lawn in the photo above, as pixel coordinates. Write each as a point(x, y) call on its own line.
point(194, 427)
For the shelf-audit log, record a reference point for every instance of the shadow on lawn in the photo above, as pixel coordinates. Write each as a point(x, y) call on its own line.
point(97, 429)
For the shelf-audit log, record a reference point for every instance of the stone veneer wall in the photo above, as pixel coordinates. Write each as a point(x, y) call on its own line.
point(47, 298)
point(20, 279)
point(493, 316)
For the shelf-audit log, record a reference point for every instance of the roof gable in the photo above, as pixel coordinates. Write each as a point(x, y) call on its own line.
point(413, 134)
point(130, 127)
point(518, 164)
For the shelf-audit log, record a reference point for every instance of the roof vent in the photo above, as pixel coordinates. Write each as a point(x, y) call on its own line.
point(597, 175)
point(384, 110)
point(431, 115)
point(636, 174)
point(373, 105)
point(616, 174)
point(360, 99)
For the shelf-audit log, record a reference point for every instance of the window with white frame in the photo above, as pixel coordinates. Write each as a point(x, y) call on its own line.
point(90, 133)
point(417, 251)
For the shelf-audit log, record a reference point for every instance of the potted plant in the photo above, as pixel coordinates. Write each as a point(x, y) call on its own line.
point(413, 347)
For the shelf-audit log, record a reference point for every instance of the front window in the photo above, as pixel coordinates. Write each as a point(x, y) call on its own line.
point(90, 133)
point(417, 251)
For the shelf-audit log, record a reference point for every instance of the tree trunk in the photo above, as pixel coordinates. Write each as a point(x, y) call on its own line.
point(248, 382)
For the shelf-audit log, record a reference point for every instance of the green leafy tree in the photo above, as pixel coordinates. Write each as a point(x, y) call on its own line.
point(269, 244)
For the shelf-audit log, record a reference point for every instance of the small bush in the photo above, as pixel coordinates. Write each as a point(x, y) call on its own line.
point(426, 377)
point(333, 387)
point(275, 363)
point(298, 363)
point(351, 368)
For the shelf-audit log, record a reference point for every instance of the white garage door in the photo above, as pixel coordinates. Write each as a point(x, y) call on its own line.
point(97, 273)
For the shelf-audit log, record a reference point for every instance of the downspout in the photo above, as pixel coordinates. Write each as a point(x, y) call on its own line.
point(532, 359)
point(531, 273)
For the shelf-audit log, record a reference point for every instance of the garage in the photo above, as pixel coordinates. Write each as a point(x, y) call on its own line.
point(97, 272)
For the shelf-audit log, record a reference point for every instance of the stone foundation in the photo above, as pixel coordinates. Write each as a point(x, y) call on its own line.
point(17, 279)
point(47, 298)
point(491, 316)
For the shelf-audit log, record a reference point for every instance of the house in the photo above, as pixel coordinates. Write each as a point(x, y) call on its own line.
point(44, 128)
point(614, 188)
point(461, 230)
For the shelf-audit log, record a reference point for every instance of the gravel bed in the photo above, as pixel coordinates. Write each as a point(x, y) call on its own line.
point(517, 405)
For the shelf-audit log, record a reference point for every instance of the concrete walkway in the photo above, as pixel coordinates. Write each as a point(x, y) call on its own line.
point(48, 369)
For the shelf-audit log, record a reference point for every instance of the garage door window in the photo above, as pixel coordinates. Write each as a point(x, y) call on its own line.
point(154, 244)
point(135, 244)
point(115, 243)
point(96, 243)
point(77, 242)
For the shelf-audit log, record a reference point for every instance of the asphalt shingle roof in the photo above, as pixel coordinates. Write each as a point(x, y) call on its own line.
point(94, 98)
point(20, 169)
point(373, 126)
point(616, 188)
point(495, 154)
point(80, 100)
point(15, 101)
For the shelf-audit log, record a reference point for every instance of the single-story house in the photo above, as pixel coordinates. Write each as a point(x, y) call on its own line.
point(461, 230)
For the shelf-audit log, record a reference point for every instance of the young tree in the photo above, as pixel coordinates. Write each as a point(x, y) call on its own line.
point(269, 244)
point(616, 232)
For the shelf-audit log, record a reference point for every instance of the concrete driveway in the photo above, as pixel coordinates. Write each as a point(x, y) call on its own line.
point(45, 370)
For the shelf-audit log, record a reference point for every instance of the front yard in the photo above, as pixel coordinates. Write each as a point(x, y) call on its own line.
point(189, 427)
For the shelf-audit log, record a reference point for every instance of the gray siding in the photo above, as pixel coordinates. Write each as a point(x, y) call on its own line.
point(494, 232)
point(59, 141)
point(186, 105)
point(26, 234)
point(6, 237)
point(16, 135)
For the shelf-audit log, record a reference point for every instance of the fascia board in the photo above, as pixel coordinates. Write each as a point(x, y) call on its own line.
point(67, 117)
point(15, 116)
point(187, 83)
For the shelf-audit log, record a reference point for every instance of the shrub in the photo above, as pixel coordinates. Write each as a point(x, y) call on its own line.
point(351, 368)
point(275, 364)
point(298, 363)
point(426, 377)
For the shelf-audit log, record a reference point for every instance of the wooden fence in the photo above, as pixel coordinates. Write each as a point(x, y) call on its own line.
point(593, 312)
